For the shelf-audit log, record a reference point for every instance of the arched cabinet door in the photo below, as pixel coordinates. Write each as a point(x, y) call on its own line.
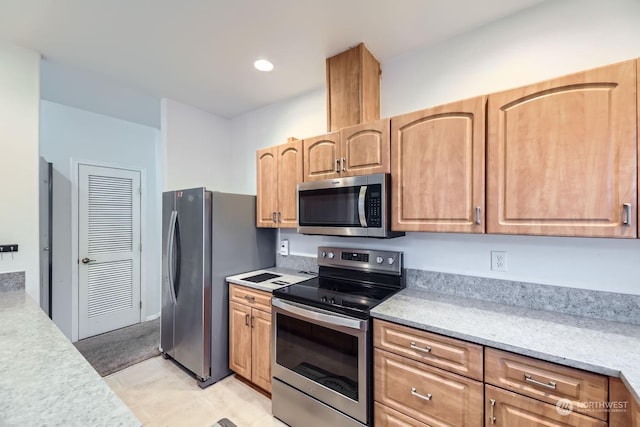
point(365, 149)
point(562, 156)
point(267, 185)
point(437, 168)
point(289, 175)
point(322, 157)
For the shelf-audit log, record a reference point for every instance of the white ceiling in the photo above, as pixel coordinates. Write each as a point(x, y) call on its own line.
point(201, 52)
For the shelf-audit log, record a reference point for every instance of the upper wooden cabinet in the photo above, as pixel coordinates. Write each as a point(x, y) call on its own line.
point(279, 169)
point(562, 156)
point(438, 168)
point(356, 150)
point(353, 88)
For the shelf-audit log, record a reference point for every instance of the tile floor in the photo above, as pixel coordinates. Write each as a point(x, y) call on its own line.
point(161, 394)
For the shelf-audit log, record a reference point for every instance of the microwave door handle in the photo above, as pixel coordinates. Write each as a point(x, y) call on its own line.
point(361, 208)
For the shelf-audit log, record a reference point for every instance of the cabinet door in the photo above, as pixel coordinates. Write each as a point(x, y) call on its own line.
point(240, 339)
point(438, 168)
point(261, 349)
point(625, 410)
point(290, 173)
point(508, 409)
point(562, 156)
point(322, 157)
point(365, 149)
point(266, 189)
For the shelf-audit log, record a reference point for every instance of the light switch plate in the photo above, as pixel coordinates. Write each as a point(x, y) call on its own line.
point(284, 247)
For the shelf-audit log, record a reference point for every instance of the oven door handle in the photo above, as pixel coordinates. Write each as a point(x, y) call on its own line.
point(320, 315)
point(361, 207)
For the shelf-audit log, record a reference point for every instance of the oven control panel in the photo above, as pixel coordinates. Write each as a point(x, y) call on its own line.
point(361, 259)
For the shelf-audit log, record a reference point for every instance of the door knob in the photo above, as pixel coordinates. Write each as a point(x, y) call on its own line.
point(87, 260)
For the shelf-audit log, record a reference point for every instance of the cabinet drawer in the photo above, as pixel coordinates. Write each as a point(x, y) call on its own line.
point(387, 417)
point(430, 395)
point(508, 409)
point(250, 297)
point(547, 381)
point(447, 353)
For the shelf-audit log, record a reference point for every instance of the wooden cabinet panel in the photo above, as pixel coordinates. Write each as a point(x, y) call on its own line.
point(353, 88)
point(508, 409)
point(546, 381)
point(430, 395)
point(438, 157)
point(447, 353)
point(290, 173)
point(261, 349)
point(240, 339)
point(365, 149)
point(267, 184)
point(625, 409)
point(562, 155)
point(387, 417)
point(250, 297)
point(321, 157)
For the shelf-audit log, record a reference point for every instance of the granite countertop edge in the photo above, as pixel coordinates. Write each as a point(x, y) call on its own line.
point(511, 328)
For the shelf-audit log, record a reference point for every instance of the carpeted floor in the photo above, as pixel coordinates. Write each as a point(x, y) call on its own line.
point(119, 349)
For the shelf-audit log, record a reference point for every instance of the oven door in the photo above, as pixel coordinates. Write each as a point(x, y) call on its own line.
point(323, 354)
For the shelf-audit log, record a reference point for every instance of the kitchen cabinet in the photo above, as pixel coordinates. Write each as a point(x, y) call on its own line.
point(411, 389)
point(357, 150)
point(508, 409)
point(438, 174)
point(562, 156)
point(625, 409)
point(279, 169)
point(353, 88)
point(250, 335)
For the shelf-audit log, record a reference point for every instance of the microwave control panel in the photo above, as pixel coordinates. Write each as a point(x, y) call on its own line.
point(374, 217)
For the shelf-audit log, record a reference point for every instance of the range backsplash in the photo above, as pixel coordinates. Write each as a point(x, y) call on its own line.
point(611, 306)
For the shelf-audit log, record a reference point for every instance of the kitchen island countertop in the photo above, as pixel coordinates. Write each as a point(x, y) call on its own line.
point(608, 348)
point(44, 380)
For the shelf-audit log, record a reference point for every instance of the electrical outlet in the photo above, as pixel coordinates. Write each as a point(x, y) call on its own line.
point(284, 247)
point(498, 260)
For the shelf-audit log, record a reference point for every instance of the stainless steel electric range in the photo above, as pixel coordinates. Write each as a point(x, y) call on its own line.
point(322, 338)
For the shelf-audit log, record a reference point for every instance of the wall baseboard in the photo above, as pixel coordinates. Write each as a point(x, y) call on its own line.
point(152, 317)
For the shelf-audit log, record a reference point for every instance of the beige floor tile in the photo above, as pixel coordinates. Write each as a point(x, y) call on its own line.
point(161, 394)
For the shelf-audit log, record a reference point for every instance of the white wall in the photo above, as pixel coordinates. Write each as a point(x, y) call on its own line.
point(68, 134)
point(19, 116)
point(197, 148)
point(554, 38)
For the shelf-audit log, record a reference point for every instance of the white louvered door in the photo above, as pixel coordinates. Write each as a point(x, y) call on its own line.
point(108, 249)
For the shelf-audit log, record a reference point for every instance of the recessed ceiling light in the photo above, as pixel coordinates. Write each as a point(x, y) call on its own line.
point(263, 65)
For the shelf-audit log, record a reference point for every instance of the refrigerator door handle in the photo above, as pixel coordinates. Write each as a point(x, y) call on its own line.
point(170, 244)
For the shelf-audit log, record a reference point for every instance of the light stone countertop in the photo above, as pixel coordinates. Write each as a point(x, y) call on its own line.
point(44, 380)
point(287, 274)
point(608, 348)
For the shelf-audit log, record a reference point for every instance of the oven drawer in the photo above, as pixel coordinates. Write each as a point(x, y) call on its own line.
point(545, 381)
point(430, 395)
point(250, 297)
point(447, 353)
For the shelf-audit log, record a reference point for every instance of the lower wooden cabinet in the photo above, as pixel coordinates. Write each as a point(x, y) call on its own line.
point(387, 417)
point(508, 409)
point(624, 409)
point(250, 337)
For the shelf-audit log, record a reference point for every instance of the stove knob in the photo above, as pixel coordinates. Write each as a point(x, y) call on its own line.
point(390, 260)
point(379, 260)
point(323, 254)
point(323, 299)
point(331, 255)
point(332, 300)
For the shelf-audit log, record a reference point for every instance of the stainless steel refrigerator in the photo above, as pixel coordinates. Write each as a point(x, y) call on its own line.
point(206, 236)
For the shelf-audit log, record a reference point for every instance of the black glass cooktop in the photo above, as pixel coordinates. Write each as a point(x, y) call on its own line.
point(342, 296)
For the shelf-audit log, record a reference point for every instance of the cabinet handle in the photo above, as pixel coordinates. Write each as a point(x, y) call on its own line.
point(252, 321)
point(337, 165)
point(478, 221)
point(626, 217)
point(550, 385)
point(343, 162)
point(246, 320)
point(491, 417)
point(279, 217)
point(421, 396)
point(250, 298)
point(273, 216)
point(424, 349)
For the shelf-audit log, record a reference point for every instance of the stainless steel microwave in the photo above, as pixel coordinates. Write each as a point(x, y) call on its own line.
point(358, 206)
